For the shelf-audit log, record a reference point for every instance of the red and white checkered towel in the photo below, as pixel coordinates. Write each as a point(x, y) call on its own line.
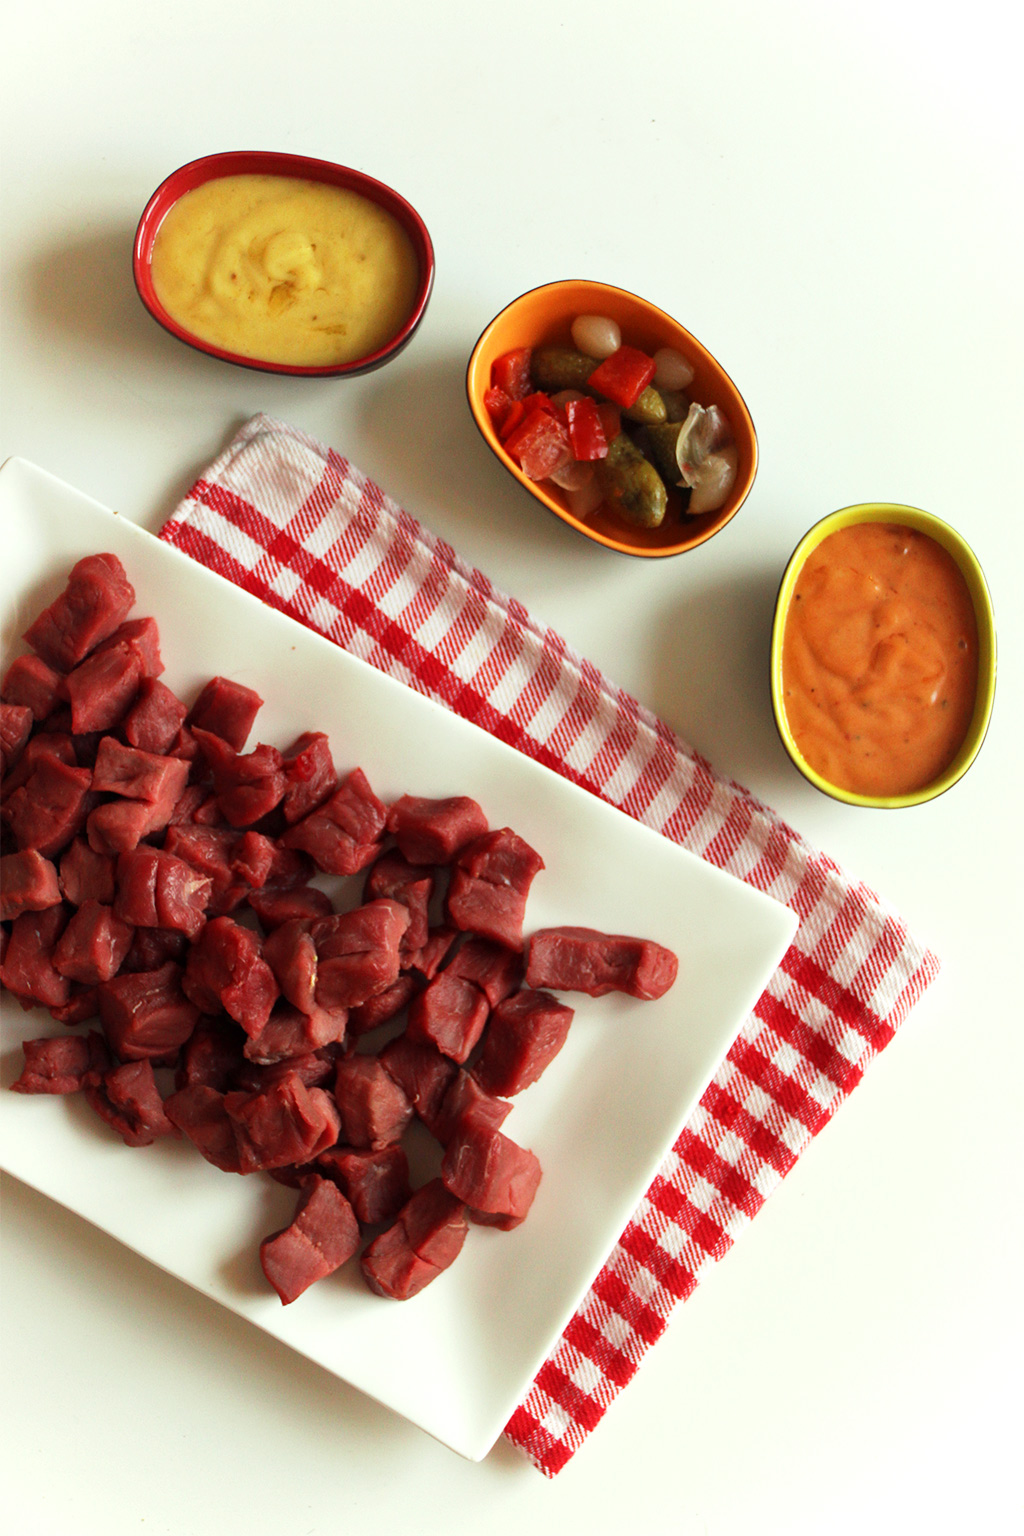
point(299, 526)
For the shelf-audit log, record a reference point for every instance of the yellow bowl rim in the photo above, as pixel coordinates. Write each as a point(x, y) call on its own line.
point(963, 554)
point(486, 430)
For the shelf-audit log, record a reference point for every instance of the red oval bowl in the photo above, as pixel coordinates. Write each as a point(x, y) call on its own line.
point(265, 163)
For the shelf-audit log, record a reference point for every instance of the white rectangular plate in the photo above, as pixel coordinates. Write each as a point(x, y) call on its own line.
point(458, 1358)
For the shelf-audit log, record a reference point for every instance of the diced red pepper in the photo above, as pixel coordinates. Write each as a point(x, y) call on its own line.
point(624, 376)
point(540, 444)
point(539, 401)
point(586, 432)
point(511, 372)
point(498, 406)
point(517, 412)
point(611, 420)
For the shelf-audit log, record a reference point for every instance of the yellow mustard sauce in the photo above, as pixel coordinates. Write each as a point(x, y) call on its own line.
point(282, 270)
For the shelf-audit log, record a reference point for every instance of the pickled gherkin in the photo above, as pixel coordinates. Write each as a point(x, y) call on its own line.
point(556, 368)
point(659, 444)
point(632, 486)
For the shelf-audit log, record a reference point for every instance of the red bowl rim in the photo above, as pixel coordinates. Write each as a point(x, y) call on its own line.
point(272, 163)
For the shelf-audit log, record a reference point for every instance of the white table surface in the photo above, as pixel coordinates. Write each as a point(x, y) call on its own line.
point(829, 196)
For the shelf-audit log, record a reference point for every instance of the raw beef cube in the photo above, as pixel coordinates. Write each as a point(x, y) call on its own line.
point(374, 1110)
point(584, 960)
point(290, 868)
point(30, 682)
point(15, 730)
point(121, 770)
point(209, 850)
point(201, 1114)
point(45, 743)
point(275, 907)
point(93, 945)
point(86, 875)
point(197, 806)
point(290, 951)
point(426, 1238)
point(83, 1003)
point(496, 970)
point(211, 1055)
point(310, 776)
point(149, 787)
point(153, 947)
point(146, 1014)
point(289, 1033)
point(143, 636)
point(253, 859)
point(391, 1268)
point(119, 825)
point(344, 834)
point(235, 863)
point(435, 1223)
point(102, 688)
point(490, 1173)
point(156, 717)
point(383, 1007)
point(358, 952)
point(28, 970)
point(392, 875)
point(128, 1099)
point(156, 890)
point(489, 886)
point(467, 1103)
point(28, 883)
point(429, 960)
point(227, 709)
point(524, 1033)
point(61, 1063)
point(323, 1234)
point(434, 831)
point(95, 601)
point(376, 1183)
point(48, 810)
point(450, 1013)
point(287, 1123)
point(248, 786)
point(315, 1069)
point(421, 1072)
point(226, 969)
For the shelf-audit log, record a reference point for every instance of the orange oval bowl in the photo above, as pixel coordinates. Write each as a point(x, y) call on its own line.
point(543, 318)
point(267, 163)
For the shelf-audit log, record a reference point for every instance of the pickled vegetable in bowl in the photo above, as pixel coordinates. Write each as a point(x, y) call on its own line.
point(614, 417)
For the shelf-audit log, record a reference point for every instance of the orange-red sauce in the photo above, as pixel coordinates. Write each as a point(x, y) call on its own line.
point(880, 659)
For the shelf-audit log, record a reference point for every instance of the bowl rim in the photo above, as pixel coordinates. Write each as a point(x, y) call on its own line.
point(970, 567)
point(235, 162)
point(594, 535)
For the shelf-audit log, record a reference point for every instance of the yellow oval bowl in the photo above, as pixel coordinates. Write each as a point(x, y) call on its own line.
point(543, 318)
point(961, 552)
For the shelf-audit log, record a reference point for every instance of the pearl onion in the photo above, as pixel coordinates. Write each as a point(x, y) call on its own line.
point(671, 370)
point(596, 335)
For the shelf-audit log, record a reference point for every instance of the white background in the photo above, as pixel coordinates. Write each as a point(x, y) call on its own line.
point(829, 197)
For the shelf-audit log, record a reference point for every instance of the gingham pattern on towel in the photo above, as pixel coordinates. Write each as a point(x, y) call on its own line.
point(299, 526)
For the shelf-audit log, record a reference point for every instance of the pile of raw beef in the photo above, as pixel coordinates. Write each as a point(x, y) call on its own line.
point(159, 879)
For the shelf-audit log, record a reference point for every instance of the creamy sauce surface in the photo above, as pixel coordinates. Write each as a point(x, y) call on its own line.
point(880, 659)
point(285, 271)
